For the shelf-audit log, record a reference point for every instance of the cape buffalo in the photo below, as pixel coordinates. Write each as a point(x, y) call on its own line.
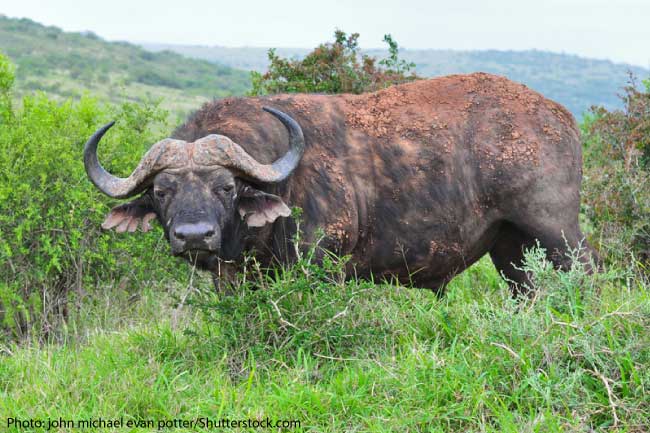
point(416, 181)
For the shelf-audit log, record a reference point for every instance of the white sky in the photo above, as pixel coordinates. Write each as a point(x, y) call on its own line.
point(615, 29)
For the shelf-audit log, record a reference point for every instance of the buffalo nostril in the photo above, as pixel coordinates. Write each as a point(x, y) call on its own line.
point(194, 232)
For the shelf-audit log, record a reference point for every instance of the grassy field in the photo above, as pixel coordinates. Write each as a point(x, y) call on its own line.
point(349, 356)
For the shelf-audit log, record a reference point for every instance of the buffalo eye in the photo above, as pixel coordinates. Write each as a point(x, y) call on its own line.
point(160, 194)
point(227, 188)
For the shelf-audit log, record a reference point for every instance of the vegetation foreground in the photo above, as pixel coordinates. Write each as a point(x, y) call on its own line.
point(351, 356)
point(93, 325)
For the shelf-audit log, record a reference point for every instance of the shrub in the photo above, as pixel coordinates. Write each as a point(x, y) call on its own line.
point(335, 67)
point(6, 83)
point(617, 166)
point(51, 246)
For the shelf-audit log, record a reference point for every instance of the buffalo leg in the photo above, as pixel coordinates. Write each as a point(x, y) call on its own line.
point(223, 278)
point(508, 254)
point(513, 241)
point(560, 243)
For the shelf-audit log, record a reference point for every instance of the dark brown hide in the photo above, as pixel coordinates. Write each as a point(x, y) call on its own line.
point(418, 180)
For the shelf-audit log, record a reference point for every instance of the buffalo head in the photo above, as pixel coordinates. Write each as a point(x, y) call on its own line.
point(202, 192)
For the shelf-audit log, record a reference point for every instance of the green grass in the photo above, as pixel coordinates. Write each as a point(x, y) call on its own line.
point(351, 356)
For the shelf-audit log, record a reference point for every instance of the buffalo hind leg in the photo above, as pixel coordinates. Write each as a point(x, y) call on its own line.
point(562, 245)
point(507, 254)
point(559, 245)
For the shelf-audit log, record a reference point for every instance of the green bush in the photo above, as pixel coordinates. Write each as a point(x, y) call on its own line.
point(6, 83)
point(335, 67)
point(617, 168)
point(51, 247)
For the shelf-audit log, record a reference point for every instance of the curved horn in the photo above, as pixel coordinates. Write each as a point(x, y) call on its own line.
point(220, 150)
point(288, 163)
point(118, 187)
point(213, 149)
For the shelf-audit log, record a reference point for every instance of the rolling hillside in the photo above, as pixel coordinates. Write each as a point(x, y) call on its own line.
point(67, 64)
point(576, 82)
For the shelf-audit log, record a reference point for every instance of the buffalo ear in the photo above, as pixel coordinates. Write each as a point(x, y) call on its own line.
point(127, 216)
point(259, 208)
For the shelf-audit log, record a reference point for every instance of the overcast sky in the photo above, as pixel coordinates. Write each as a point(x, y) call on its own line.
point(614, 29)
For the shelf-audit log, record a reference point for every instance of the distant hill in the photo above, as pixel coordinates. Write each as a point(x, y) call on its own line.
point(67, 64)
point(575, 82)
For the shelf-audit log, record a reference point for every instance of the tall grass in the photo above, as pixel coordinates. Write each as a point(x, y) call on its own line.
point(303, 343)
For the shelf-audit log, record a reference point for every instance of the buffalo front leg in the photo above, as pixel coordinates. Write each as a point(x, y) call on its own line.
point(223, 277)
